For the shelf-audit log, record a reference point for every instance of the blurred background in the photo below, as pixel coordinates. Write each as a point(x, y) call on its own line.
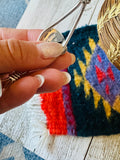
point(11, 11)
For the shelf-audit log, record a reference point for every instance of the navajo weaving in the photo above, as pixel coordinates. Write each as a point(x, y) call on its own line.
point(90, 104)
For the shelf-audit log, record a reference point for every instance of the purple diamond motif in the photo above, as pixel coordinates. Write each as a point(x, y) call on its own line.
point(103, 76)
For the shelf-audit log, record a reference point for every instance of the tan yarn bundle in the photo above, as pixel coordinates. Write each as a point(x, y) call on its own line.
point(109, 30)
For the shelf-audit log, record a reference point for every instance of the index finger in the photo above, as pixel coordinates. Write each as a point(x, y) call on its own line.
point(20, 34)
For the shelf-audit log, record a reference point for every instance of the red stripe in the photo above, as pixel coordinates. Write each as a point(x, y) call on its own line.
point(53, 107)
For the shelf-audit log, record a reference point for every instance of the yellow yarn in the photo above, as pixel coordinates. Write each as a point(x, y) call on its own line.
point(116, 105)
point(87, 56)
point(83, 68)
point(92, 44)
point(107, 108)
point(96, 96)
point(77, 78)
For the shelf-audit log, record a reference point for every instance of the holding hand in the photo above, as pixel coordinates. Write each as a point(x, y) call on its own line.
point(19, 51)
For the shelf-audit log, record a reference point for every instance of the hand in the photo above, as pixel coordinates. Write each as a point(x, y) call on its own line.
point(19, 51)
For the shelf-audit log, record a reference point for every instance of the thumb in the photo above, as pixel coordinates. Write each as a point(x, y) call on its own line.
point(18, 55)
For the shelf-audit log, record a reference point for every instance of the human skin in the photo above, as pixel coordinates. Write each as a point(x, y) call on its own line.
point(20, 51)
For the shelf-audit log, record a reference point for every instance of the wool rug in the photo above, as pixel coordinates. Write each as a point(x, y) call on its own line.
point(90, 104)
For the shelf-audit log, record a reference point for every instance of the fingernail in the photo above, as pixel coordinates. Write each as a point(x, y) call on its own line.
point(41, 79)
point(67, 78)
point(50, 49)
point(73, 58)
point(0, 88)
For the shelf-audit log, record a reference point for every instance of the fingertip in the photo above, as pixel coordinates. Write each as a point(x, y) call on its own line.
point(67, 77)
point(73, 58)
point(41, 79)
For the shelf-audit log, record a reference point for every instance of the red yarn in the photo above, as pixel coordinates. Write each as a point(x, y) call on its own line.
point(99, 58)
point(110, 73)
point(53, 107)
point(107, 89)
point(100, 74)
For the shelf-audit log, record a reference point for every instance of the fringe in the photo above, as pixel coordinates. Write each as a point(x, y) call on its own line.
point(38, 131)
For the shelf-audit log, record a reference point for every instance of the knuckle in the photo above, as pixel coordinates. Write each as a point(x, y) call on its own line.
point(13, 46)
point(10, 44)
point(15, 50)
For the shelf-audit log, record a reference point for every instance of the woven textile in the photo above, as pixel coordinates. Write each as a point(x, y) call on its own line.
point(90, 104)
